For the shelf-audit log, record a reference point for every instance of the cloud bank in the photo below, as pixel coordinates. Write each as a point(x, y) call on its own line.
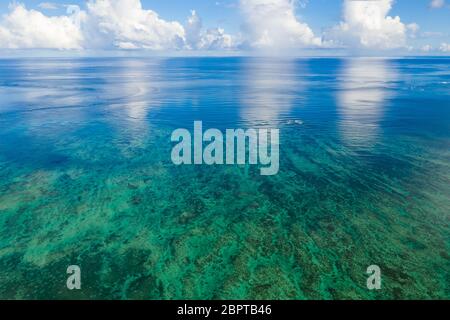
point(105, 24)
point(268, 26)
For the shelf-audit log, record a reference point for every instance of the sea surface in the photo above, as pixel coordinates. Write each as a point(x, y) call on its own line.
point(86, 179)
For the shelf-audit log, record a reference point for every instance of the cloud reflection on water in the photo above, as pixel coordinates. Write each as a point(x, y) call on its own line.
point(271, 90)
point(131, 90)
point(365, 87)
point(50, 103)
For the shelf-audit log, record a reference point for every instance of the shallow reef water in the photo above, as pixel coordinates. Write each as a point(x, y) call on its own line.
point(86, 179)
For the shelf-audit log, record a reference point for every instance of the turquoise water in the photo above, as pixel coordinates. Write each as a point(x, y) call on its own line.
point(86, 179)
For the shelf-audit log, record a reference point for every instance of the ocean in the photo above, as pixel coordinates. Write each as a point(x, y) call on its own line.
point(86, 179)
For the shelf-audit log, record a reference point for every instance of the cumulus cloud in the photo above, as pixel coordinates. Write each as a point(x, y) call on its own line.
point(273, 24)
point(210, 39)
point(23, 28)
point(129, 26)
point(366, 24)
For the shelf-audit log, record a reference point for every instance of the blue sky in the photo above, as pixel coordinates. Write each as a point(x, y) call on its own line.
point(426, 29)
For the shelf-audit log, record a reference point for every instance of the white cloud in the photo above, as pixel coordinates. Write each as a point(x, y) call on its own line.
point(437, 4)
point(413, 28)
point(366, 24)
point(193, 30)
point(216, 39)
point(126, 25)
point(269, 25)
point(273, 24)
point(122, 24)
point(445, 47)
point(211, 39)
point(23, 28)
